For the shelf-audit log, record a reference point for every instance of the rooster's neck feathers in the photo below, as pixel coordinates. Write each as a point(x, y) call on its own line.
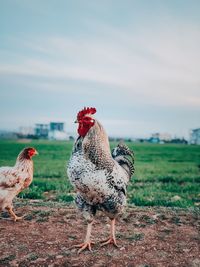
point(96, 147)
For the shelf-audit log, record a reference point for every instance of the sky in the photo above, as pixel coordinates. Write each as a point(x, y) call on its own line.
point(136, 62)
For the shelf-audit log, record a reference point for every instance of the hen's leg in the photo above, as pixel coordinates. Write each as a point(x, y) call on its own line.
point(87, 243)
point(111, 239)
point(12, 214)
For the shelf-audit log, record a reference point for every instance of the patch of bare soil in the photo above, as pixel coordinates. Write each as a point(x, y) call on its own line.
point(146, 237)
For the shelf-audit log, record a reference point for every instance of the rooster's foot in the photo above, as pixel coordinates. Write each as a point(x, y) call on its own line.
point(84, 246)
point(109, 240)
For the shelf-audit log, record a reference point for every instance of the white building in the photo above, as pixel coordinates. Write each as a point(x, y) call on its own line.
point(195, 136)
point(58, 135)
point(51, 131)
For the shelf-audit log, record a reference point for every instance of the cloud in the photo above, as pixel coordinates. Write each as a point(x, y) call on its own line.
point(160, 67)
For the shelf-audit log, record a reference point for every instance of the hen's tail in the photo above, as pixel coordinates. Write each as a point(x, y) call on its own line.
point(125, 157)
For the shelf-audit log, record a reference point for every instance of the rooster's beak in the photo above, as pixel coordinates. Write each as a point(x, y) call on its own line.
point(36, 153)
point(76, 121)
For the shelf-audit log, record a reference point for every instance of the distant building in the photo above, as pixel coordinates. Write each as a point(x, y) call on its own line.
point(42, 130)
point(51, 131)
point(56, 131)
point(57, 126)
point(195, 136)
point(160, 138)
point(58, 135)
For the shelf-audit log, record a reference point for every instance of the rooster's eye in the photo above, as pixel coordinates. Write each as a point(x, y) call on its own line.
point(88, 119)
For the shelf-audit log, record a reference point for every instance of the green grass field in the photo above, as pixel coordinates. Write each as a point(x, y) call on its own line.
point(166, 175)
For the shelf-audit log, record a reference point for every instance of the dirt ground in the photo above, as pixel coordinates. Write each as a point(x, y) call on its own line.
point(146, 237)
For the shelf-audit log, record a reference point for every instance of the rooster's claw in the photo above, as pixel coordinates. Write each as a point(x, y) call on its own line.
point(110, 240)
point(83, 246)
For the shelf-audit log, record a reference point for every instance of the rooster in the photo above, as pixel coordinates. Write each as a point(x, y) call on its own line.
point(99, 176)
point(14, 179)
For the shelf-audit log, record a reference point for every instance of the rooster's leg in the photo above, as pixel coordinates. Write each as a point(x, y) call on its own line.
point(87, 243)
point(111, 239)
point(13, 215)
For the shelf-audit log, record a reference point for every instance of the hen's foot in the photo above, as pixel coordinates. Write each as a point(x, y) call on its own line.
point(13, 215)
point(109, 240)
point(16, 218)
point(84, 246)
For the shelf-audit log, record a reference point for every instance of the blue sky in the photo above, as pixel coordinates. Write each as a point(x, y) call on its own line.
point(137, 62)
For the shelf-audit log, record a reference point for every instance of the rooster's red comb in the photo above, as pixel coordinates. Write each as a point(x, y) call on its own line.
point(85, 111)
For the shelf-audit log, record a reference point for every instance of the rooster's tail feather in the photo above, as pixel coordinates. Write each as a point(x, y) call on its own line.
point(125, 157)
